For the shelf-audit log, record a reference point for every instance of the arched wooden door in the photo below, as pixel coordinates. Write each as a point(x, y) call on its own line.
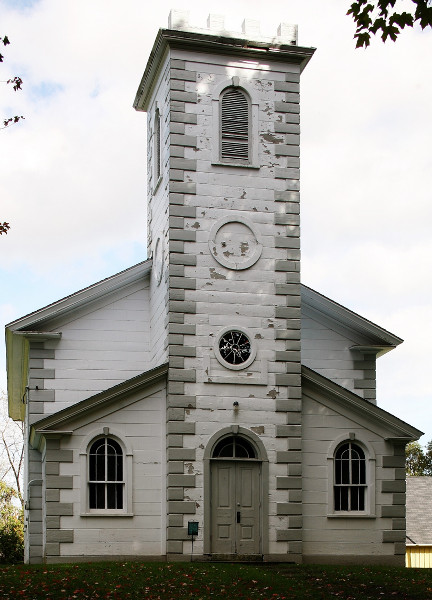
point(235, 498)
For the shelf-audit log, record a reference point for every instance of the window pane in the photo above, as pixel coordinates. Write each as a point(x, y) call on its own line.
point(345, 471)
point(243, 449)
point(114, 495)
point(97, 495)
point(120, 495)
point(361, 503)
point(111, 468)
point(106, 464)
point(100, 468)
point(349, 478)
point(92, 468)
point(225, 448)
point(344, 498)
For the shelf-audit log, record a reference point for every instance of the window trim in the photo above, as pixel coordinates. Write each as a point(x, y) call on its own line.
point(252, 342)
point(157, 148)
point(240, 93)
point(251, 96)
point(370, 502)
point(85, 510)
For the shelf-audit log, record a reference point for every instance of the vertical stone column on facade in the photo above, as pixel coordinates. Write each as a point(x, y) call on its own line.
point(367, 384)
point(33, 505)
point(179, 187)
point(288, 127)
point(54, 508)
point(37, 394)
point(396, 486)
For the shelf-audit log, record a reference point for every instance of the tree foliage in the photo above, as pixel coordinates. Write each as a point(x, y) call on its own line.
point(11, 450)
point(386, 18)
point(11, 526)
point(16, 84)
point(418, 460)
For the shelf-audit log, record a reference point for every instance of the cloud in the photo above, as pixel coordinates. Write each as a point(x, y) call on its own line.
point(73, 177)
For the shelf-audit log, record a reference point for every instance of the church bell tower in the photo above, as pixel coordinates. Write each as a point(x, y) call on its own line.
point(223, 233)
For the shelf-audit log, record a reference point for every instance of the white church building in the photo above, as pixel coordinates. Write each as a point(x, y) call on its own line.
point(206, 387)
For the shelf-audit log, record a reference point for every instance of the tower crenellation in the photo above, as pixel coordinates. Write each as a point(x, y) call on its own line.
point(251, 29)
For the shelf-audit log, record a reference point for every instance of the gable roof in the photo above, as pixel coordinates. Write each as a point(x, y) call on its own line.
point(381, 340)
point(59, 422)
point(20, 331)
point(342, 400)
point(419, 510)
point(82, 297)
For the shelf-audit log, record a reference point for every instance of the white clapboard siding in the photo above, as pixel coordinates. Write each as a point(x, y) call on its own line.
point(141, 425)
point(328, 352)
point(106, 343)
point(323, 535)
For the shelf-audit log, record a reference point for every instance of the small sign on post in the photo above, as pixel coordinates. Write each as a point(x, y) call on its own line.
point(192, 530)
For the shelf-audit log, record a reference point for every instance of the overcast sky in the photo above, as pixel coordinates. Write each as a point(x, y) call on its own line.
point(73, 181)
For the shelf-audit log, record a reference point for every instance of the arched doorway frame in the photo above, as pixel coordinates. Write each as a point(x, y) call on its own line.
point(262, 458)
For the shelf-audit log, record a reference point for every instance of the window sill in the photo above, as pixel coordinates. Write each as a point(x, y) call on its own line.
point(234, 164)
point(350, 515)
point(106, 513)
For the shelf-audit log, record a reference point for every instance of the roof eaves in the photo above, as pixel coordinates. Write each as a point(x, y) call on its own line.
point(347, 317)
point(207, 42)
point(401, 431)
point(56, 422)
point(81, 297)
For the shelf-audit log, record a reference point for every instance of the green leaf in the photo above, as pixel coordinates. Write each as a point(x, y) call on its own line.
point(363, 39)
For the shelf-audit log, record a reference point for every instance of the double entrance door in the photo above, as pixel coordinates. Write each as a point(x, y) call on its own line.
point(235, 507)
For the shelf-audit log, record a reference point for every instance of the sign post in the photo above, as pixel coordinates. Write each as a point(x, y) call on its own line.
point(192, 530)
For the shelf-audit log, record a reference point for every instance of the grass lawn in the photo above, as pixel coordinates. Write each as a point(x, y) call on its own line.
point(202, 581)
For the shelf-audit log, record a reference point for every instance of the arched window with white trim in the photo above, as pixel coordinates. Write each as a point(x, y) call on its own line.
point(349, 478)
point(235, 143)
point(106, 475)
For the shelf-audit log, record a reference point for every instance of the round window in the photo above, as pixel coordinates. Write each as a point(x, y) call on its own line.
point(234, 348)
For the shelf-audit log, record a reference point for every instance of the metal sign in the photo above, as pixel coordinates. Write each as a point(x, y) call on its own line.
point(192, 527)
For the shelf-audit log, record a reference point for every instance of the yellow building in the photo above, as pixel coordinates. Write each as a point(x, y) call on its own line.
point(419, 522)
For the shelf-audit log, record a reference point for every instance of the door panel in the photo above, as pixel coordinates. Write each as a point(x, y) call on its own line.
point(247, 492)
point(235, 502)
point(223, 508)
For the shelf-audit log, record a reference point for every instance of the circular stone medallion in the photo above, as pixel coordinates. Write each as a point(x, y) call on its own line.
point(235, 243)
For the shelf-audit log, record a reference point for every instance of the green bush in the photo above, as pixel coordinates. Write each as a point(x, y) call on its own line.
point(11, 527)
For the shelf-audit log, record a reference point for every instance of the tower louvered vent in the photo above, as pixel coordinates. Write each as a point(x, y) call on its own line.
point(235, 126)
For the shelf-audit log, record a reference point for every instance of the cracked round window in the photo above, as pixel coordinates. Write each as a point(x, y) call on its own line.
point(234, 348)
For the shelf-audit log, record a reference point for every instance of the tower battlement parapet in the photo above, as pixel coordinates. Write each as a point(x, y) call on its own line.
point(251, 30)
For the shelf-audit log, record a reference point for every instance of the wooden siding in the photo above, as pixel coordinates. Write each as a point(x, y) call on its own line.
point(142, 425)
point(338, 536)
point(419, 557)
point(327, 350)
point(105, 344)
point(157, 217)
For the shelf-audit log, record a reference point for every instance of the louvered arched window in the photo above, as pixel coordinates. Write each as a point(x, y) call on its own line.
point(235, 126)
point(349, 478)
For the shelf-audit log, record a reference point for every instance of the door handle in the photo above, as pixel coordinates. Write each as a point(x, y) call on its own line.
point(238, 516)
